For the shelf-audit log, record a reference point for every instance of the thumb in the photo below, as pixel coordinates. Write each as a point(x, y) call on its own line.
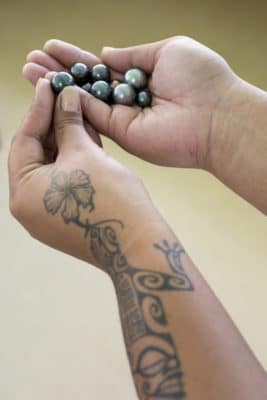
point(27, 149)
point(143, 56)
point(68, 121)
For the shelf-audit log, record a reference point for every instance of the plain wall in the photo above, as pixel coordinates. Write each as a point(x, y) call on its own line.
point(60, 335)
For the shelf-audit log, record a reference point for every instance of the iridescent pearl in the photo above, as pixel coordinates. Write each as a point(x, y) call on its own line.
point(100, 72)
point(136, 77)
point(101, 90)
point(80, 73)
point(144, 98)
point(61, 80)
point(124, 94)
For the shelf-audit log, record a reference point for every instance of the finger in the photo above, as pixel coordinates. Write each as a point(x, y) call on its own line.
point(93, 134)
point(45, 60)
point(142, 56)
point(68, 122)
point(26, 151)
point(68, 54)
point(50, 75)
point(50, 147)
point(111, 121)
point(33, 72)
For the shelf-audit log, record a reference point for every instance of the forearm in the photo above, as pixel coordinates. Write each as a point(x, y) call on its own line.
point(238, 143)
point(180, 341)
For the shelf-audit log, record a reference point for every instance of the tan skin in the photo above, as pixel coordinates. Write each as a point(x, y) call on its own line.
point(203, 115)
point(215, 360)
point(121, 196)
point(178, 125)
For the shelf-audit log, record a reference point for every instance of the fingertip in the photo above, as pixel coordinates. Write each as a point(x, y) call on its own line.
point(43, 94)
point(32, 72)
point(41, 83)
point(31, 55)
point(38, 84)
point(28, 70)
point(107, 49)
point(50, 75)
point(50, 43)
point(25, 70)
point(69, 101)
point(107, 52)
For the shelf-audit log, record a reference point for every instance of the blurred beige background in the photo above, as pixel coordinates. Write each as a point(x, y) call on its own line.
point(60, 336)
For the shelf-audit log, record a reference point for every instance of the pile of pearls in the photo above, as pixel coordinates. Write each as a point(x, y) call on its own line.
point(97, 81)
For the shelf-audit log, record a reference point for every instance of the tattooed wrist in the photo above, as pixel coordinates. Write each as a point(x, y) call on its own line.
point(154, 360)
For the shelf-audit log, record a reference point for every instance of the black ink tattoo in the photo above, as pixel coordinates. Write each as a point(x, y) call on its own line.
point(150, 346)
point(67, 193)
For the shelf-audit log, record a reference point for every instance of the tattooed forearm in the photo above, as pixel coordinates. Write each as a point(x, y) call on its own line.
point(151, 350)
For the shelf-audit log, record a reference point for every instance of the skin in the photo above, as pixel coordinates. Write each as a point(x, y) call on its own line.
point(180, 342)
point(203, 115)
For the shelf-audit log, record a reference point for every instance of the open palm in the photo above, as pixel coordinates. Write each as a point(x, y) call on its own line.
point(187, 81)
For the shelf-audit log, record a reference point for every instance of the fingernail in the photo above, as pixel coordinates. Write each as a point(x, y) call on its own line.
point(39, 82)
point(70, 100)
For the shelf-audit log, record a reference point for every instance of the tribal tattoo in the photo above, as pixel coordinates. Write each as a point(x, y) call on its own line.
point(150, 346)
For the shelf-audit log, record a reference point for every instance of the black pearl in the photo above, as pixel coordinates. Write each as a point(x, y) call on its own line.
point(124, 94)
point(100, 72)
point(101, 90)
point(136, 77)
point(80, 73)
point(144, 98)
point(87, 87)
point(61, 80)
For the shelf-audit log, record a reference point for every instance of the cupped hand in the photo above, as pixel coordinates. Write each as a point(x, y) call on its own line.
point(188, 82)
point(79, 192)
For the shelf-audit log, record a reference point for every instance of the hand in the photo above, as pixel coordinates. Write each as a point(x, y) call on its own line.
point(81, 192)
point(188, 81)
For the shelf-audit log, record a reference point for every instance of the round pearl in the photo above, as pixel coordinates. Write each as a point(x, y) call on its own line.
point(144, 98)
point(81, 73)
point(61, 80)
point(87, 87)
point(101, 90)
point(136, 77)
point(124, 94)
point(100, 72)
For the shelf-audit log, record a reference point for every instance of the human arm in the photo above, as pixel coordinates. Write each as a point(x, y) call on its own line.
point(180, 341)
point(203, 115)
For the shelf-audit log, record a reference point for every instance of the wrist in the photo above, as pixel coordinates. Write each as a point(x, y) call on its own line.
point(128, 235)
point(225, 128)
point(141, 250)
point(238, 141)
point(113, 246)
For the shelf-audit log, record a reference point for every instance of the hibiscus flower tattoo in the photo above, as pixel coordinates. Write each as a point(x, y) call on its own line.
point(69, 192)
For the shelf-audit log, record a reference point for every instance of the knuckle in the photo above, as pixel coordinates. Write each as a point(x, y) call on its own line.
point(72, 119)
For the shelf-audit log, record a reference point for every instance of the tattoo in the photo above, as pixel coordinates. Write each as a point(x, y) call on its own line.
point(151, 349)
